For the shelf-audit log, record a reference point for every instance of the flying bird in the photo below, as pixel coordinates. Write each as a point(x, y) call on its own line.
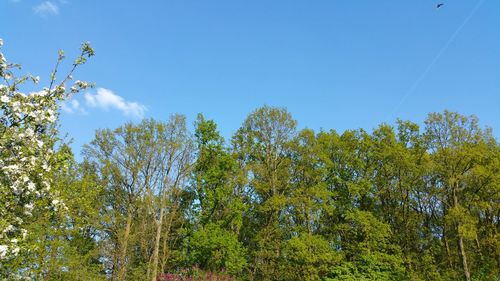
point(439, 5)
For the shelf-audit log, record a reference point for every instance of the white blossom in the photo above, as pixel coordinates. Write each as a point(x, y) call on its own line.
point(15, 251)
point(28, 208)
point(10, 227)
point(31, 186)
point(39, 94)
point(16, 106)
point(3, 251)
point(29, 132)
point(46, 167)
point(39, 143)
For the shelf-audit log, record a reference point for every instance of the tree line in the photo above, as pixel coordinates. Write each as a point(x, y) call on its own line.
point(273, 202)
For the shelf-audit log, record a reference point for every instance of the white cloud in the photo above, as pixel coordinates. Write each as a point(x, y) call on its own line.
point(46, 8)
point(106, 99)
point(73, 106)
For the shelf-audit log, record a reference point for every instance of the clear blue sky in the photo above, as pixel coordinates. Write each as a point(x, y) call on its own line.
point(333, 64)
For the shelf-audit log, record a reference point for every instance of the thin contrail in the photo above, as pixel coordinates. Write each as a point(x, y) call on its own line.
point(436, 58)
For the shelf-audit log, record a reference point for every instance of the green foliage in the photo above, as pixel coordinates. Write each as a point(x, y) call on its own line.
point(214, 179)
point(371, 256)
point(151, 200)
point(213, 249)
point(308, 257)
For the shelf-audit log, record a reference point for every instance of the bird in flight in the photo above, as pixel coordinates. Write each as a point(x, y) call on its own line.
point(439, 5)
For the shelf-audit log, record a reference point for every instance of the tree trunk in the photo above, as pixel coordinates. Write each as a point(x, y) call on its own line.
point(165, 239)
point(463, 256)
point(447, 246)
point(114, 266)
point(461, 246)
point(157, 245)
point(123, 254)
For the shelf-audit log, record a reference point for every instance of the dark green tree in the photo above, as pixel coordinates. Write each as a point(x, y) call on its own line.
point(217, 204)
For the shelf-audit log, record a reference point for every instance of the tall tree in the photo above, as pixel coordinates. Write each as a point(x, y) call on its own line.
point(264, 146)
point(457, 144)
point(144, 167)
point(217, 204)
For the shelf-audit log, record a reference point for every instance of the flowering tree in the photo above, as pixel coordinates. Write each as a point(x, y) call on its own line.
point(28, 138)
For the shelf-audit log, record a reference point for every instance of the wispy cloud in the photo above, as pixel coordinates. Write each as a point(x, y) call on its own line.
point(46, 8)
point(106, 99)
point(73, 106)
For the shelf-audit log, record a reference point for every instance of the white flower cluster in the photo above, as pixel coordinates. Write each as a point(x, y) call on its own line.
point(27, 137)
point(12, 249)
point(26, 153)
point(79, 86)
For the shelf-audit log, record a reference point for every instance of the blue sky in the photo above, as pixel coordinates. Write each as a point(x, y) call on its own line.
point(333, 64)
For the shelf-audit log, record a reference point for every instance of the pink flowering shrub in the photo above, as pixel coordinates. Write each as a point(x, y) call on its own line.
point(195, 274)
